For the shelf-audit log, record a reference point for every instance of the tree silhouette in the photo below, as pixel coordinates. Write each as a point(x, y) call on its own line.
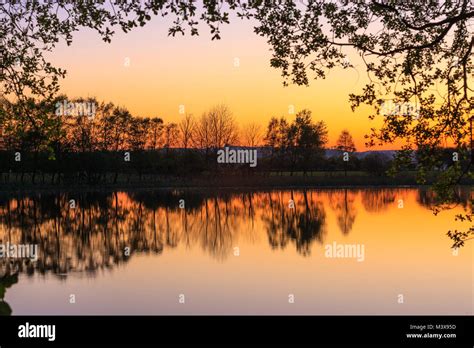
point(376, 163)
point(299, 143)
point(276, 139)
point(223, 128)
point(416, 54)
point(186, 131)
point(345, 143)
point(251, 134)
point(309, 139)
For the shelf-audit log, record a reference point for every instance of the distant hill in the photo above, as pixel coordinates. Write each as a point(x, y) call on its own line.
point(361, 154)
point(264, 151)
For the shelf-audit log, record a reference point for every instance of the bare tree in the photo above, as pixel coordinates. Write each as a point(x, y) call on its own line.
point(215, 129)
point(222, 126)
point(186, 129)
point(252, 135)
point(170, 136)
point(202, 132)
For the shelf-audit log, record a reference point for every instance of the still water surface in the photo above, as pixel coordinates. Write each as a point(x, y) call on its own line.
point(235, 252)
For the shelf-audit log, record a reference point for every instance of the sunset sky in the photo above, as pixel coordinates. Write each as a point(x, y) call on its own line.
point(166, 72)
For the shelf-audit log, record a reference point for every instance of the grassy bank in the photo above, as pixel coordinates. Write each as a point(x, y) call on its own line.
point(259, 180)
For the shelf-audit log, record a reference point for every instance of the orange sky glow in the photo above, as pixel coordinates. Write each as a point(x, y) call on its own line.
point(153, 75)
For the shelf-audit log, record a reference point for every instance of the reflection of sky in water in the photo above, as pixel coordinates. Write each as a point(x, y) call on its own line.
point(281, 253)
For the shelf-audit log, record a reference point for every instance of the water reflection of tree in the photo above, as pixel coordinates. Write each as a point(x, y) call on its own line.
point(377, 200)
point(460, 197)
point(215, 232)
point(301, 224)
point(343, 203)
point(429, 199)
point(98, 233)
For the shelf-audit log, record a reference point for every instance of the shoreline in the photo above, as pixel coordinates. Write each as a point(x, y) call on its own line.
point(231, 181)
point(119, 188)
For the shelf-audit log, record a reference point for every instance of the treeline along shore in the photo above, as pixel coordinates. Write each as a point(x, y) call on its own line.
point(86, 143)
point(191, 168)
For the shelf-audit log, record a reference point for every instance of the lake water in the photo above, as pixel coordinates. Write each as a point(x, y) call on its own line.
point(236, 252)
